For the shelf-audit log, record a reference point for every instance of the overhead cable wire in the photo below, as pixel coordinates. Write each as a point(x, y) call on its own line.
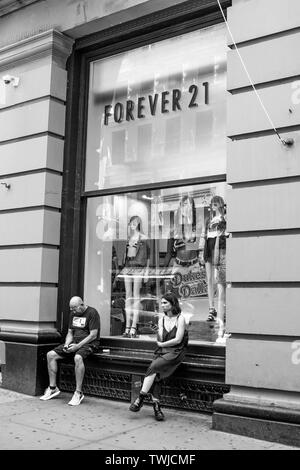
point(284, 142)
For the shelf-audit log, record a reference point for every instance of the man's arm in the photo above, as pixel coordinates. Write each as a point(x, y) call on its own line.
point(88, 339)
point(69, 338)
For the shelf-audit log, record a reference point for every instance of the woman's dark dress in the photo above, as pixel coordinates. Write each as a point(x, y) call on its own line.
point(166, 360)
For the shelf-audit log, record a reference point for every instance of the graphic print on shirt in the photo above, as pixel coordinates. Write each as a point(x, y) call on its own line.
point(79, 322)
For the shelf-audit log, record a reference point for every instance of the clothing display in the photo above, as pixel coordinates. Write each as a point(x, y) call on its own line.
point(186, 251)
point(189, 280)
point(213, 229)
point(137, 254)
point(215, 246)
point(214, 256)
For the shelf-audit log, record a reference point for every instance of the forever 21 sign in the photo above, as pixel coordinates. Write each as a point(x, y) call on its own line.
point(159, 102)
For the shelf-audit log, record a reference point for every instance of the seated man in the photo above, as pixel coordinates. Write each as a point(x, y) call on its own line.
point(83, 339)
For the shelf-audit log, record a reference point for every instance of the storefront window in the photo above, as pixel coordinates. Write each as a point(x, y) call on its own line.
point(157, 113)
point(144, 244)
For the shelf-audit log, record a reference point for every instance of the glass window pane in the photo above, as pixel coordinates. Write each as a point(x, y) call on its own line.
point(144, 244)
point(157, 113)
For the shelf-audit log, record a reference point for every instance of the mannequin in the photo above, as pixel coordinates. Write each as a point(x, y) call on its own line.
point(137, 258)
point(214, 257)
point(183, 243)
point(183, 247)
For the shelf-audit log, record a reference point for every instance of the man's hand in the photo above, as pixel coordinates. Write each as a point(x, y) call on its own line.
point(71, 348)
point(159, 344)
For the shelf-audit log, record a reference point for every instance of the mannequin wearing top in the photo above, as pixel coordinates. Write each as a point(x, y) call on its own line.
point(136, 257)
point(184, 244)
point(214, 258)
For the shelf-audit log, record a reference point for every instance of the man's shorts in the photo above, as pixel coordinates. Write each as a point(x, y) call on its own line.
point(84, 351)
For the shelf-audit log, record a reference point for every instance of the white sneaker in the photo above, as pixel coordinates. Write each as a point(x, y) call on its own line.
point(222, 339)
point(76, 399)
point(50, 393)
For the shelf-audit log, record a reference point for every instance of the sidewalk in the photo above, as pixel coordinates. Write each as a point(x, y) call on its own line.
point(28, 423)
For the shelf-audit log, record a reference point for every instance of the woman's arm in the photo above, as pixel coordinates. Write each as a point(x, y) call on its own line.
point(160, 330)
point(179, 335)
point(146, 276)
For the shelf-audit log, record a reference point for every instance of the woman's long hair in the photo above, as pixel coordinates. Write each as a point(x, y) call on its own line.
point(221, 204)
point(222, 209)
point(139, 221)
point(180, 223)
point(170, 297)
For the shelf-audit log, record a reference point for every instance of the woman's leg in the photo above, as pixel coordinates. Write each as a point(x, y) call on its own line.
point(210, 283)
point(139, 401)
point(155, 392)
point(137, 283)
point(210, 289)
point(147, 383)
point(221, 307)
point(128, 302)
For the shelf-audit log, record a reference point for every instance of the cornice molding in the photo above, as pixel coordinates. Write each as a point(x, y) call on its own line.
point(49, 43)
point(189, 10)
point(7, 6)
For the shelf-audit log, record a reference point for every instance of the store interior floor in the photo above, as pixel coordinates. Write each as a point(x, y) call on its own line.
point(195, 312)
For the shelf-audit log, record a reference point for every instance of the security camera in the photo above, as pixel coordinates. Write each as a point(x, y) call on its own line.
point(11, 79)
point(7, 79)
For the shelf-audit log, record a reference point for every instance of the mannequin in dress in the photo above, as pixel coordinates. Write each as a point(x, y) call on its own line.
point(136, 258)
point(183, 250)
point(183, 244)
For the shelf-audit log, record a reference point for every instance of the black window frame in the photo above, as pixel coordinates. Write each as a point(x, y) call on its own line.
point(188, 16)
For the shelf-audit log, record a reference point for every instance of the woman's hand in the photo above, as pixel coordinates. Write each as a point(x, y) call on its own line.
point(201, 258)
point(160, 344)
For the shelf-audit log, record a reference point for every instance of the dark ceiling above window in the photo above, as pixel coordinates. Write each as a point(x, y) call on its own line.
point(7, 6)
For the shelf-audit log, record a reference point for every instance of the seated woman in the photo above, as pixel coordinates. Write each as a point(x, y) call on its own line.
point(172, 343)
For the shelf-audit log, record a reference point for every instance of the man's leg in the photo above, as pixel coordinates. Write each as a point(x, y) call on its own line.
point(51, 391)
point(52, 359)
point(79, 375)
point(79, 371)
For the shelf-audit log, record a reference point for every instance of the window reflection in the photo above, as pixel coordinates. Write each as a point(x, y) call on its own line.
point(141, 245)
point(158, 112)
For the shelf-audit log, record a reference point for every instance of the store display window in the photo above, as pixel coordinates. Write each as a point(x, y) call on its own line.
point(141, 245)
point(156, 203)
point(158, 113)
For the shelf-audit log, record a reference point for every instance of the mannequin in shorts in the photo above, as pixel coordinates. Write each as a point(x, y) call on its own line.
point(214, 257)
point(136, 258)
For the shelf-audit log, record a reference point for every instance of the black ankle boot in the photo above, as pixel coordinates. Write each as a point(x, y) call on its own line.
point(138, 402)
point(158, 414)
